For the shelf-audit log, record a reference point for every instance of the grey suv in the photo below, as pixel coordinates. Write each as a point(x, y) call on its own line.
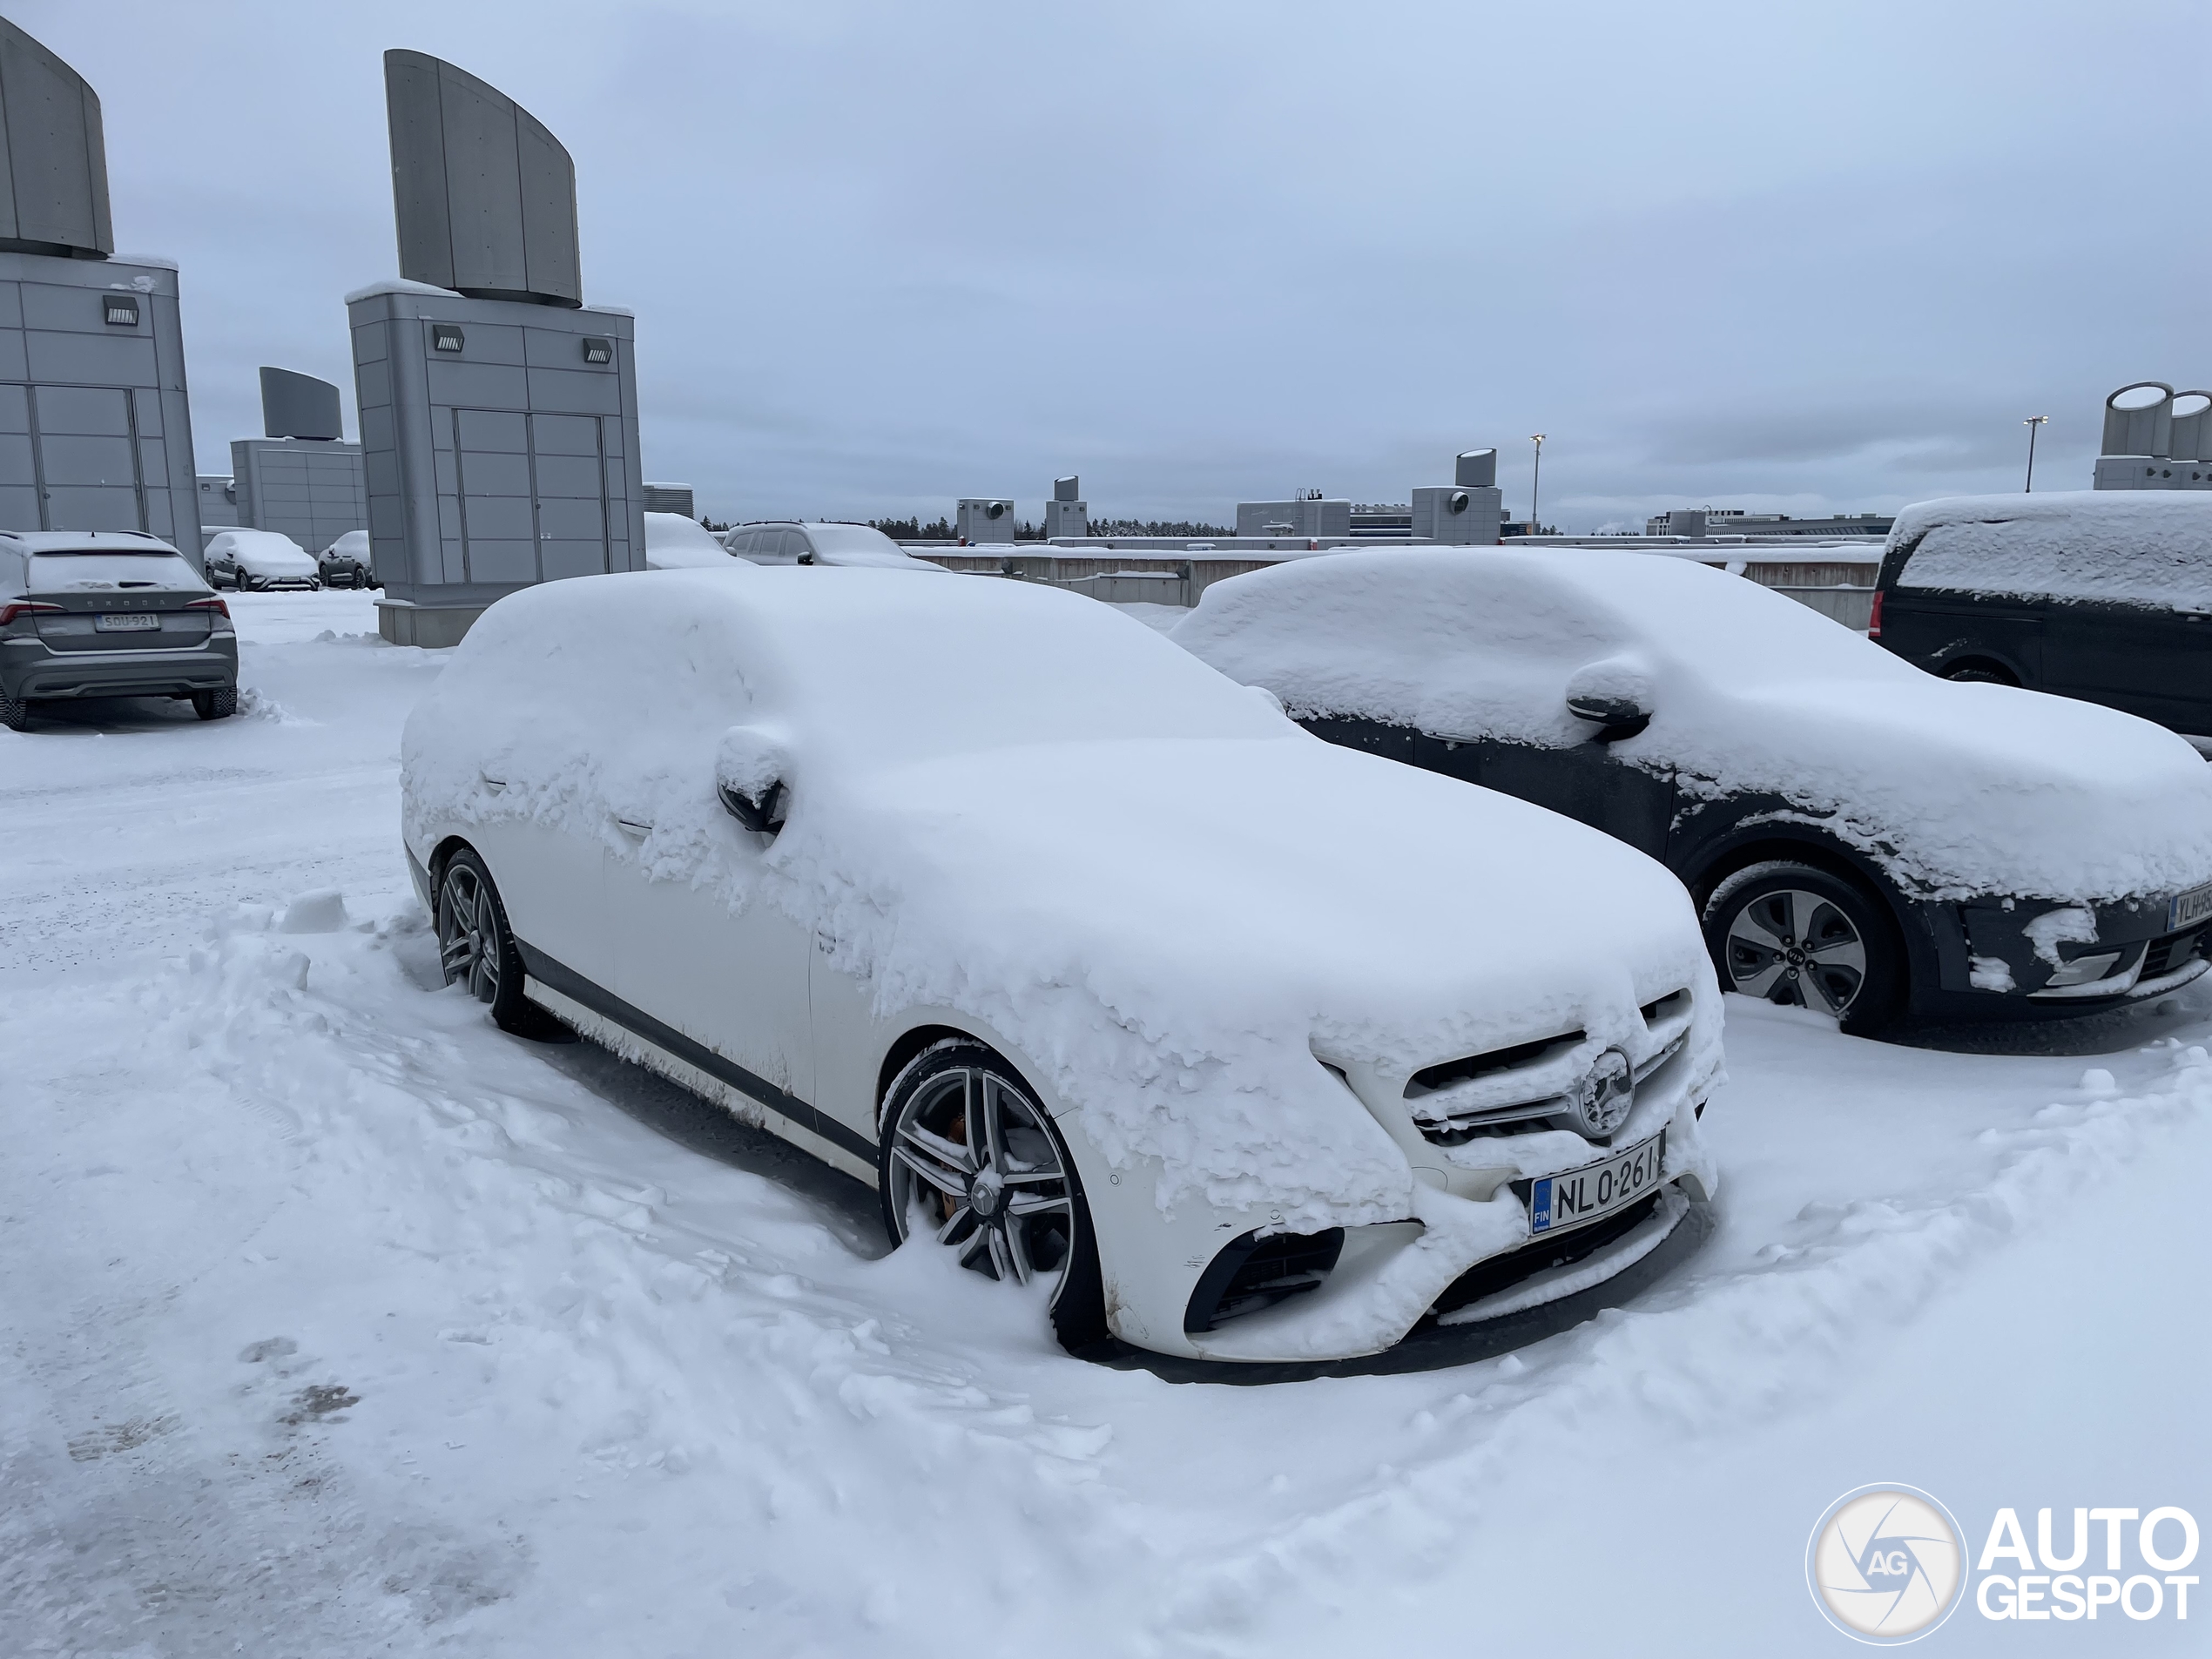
point(109, 613)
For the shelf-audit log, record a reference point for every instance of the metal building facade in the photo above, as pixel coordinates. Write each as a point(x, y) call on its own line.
point(308, 489)
point(499, 448)
point(95, 434)
point(94, 430)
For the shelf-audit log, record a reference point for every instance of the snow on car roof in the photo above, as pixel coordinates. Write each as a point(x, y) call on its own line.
point(675, 543)
point(2150, 546)
point(1955, 788)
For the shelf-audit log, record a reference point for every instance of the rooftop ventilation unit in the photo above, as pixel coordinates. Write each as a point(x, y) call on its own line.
point(54, 175)
point(299, 406)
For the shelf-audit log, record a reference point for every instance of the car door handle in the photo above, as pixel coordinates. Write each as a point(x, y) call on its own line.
point(495, 785)
point(631, 826)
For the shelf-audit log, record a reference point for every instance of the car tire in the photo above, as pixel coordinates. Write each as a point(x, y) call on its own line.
point(1757, 924)
point(1980, 673)
point(15, 712)
point(218, 705)
point(476, 947)
point(928, 1172)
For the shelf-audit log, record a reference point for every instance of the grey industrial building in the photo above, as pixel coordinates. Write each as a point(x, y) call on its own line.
point(301, 479)
point(2162, 442)
point(498, 415)
point(94, 433)
point(672, 498)
point(1308, 515)
point(1734, 521)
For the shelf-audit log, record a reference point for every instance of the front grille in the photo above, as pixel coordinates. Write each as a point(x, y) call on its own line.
point(1507, 1090)
point(1254, 1272)
point(2172, 954)
point(1503, 1272)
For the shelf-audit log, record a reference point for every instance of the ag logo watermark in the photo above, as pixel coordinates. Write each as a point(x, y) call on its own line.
point(1888, 1564)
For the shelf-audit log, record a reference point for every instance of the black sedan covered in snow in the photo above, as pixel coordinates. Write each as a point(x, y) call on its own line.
point(1859, 837)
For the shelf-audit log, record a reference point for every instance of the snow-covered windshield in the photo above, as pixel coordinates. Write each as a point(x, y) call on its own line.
point(264, 550)
point(853, 538)
point(2150, 546)
point(104, 567)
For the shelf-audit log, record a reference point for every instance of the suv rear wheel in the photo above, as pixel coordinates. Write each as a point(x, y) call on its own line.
point(15, 712)
point(218, 705)
point(1797, 935)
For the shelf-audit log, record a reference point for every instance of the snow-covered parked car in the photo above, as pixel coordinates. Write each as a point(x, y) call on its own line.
point(797, 542)
point(346, 562)
point(1859, 837)
point(1098, 968)
point(2103, 594)
point(109, 613)
point(260, 561)
point(675, 543)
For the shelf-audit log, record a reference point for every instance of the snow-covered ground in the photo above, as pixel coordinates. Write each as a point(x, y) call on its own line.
point(335, 1321)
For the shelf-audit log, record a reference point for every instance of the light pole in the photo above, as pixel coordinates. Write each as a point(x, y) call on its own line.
point(2030, 423)
point(1536, 484)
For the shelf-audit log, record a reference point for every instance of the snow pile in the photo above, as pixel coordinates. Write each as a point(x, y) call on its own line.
point(1955, 788)
point(2148, 547)
point(1015, 803)
point(675, 543)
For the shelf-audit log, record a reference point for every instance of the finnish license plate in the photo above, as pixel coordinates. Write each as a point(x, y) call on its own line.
point(2186, 908)
point(126, 622)
point(1559, 1202)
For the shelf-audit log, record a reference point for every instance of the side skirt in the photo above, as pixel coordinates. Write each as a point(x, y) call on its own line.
point(610, 1032)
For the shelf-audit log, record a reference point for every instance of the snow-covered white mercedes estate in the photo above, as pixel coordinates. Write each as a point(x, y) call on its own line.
point(1103, 972)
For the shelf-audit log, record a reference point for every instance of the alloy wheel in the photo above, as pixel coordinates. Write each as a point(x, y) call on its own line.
point(1797, 947)
point(469, 932)
point(971, 1156)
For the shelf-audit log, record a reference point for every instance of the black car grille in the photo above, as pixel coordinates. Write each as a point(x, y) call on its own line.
point(2172, 954)
point(1253, 1273)
point(1503, 1272)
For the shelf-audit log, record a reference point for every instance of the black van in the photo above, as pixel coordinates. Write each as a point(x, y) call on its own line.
point(2104, 596)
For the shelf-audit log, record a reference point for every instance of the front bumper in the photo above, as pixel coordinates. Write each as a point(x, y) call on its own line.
point(1453, 1253)
point(33, 670)
point(2051, 959)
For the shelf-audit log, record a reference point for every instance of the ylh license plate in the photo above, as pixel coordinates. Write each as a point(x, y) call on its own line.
point(2186, 908)
point(126, 622)
point(1559, 1202)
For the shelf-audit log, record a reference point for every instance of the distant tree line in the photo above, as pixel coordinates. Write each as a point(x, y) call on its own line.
point(1154, 526)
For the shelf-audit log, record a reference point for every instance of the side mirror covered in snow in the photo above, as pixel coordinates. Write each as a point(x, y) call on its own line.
point(750, 766)
point(1614, 694)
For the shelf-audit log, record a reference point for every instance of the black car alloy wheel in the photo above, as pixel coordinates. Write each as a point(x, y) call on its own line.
point(968, 1154)
point(1797, 935)
point(477, 947)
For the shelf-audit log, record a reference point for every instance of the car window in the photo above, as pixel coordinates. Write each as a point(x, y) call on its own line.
point(58, 572)
point(2156, 553)
point(831, 540)
point(797, 548)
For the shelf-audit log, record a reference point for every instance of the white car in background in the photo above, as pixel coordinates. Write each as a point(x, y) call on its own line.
point(1104, 973)
point(260, 561)
point(809, 541)
point(675, 543)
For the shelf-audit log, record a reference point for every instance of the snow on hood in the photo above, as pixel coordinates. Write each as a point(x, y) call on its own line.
point(265, 552)
point(675, 543)
point(2153, 547)
point(1020, 804)
point(1956, 788)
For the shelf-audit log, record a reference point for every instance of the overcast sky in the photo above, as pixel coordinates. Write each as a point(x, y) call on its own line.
point(882, 255)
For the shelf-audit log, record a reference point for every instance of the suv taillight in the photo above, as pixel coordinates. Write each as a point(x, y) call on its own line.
point(215, 605)
point(1874, 618)
point(23, 608)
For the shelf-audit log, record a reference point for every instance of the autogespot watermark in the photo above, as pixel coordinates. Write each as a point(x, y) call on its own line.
point(1888, 1563)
